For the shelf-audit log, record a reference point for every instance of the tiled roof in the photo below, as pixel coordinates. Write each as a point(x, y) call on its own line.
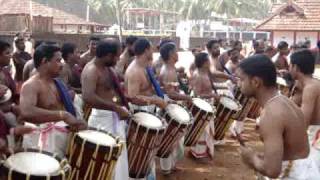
point(305, 17)
point(24, 7)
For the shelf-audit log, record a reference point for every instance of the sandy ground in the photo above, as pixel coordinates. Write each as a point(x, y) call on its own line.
point(226, 164)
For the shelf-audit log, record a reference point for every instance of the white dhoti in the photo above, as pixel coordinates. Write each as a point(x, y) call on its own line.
point(150, 109)
point(109, 121)
point(169, 163)
point(51, 137)
point(302, 169)
point(314, 142)
point(205, 145)
point(78, 105)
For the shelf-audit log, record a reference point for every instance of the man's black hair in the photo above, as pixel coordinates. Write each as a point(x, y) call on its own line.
point(262, 67)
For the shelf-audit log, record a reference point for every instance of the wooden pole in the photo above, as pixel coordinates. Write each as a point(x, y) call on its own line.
point(119, 18)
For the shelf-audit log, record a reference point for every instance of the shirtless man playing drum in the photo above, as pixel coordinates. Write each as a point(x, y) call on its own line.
point(136, 81)
point(202, 87)
point(302, 67)
point(169, 82)
point(168, 74)
point(201, 81)
point(100, 90)
point(282, 125)
point(138, 84)
point(216, 68)
point(45, 101)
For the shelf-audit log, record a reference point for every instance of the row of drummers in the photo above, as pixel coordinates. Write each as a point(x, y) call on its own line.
point(93, 153)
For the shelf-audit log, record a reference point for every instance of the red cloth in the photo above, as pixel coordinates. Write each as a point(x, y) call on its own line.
point(117, 87)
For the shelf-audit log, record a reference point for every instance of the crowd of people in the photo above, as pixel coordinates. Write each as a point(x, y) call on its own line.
point(56, 90)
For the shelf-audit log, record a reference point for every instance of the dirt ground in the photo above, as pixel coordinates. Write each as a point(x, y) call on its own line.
point(226, 164)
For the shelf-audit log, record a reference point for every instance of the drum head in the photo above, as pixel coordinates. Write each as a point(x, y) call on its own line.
point(147, 120)
point(202, 104)
point(97, 137)
point(230, 103)
point(281, 81)
point(33, 163)
point(178, 113)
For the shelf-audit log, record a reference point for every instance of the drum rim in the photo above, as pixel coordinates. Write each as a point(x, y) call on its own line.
point(66, 168)
point(116, 138)
point(236, 101)
point(164, 124)
point(187, 110)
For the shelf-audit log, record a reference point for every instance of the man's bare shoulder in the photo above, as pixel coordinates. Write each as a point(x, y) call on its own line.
point(124, 56)
point(133, 70)
point(89, 67)
point(314, 84)
point(32, 83)
point(281, 109)
point(312, 88)
point(29, 64)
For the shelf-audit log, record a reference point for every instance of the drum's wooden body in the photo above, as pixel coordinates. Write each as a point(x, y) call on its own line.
point(226, 109)
point(245, 103)
point(178, 120)
point(255, 109)
point(145, 133)
point(202, 112)
point(93, 154)
point(44, 166)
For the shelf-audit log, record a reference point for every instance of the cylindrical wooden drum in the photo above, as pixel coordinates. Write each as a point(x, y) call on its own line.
point(34, 164)
point(145, 133)
point(178, 120)
point(202, 112)
point(255, 109)
point(245, 103)
point(93, 154)
point(226, 109)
